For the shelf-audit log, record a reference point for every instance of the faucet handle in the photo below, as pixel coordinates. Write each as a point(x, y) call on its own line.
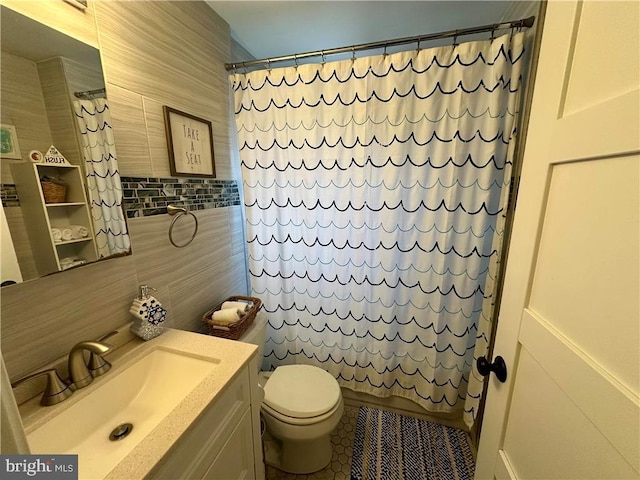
point(56, 390)
point(97, 365)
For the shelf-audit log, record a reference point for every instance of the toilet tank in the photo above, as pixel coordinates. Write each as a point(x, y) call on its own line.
point(257, 334)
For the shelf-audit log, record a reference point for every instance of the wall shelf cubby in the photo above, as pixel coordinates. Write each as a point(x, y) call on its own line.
point(41, 217)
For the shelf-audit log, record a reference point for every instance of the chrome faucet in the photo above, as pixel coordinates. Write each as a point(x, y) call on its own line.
point(81, 375)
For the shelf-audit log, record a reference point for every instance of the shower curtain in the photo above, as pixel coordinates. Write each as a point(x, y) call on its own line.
point(103, 178)
point(375, 193)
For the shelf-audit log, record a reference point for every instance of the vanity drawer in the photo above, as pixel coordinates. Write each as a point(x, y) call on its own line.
point(195, 451)
point(235, 460)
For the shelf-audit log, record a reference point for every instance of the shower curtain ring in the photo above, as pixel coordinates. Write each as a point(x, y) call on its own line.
point(384, 54)
point(418, 49)
point(295, 59)
point(455, 40)
point(493, 33)
point(269, 65)
point(353, 54)
point(324, 60)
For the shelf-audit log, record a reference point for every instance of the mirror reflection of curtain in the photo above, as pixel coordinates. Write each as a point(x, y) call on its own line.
point(103, 178)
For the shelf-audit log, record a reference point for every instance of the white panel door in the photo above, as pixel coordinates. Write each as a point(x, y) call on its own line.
point(9, 267)
point(569, 325)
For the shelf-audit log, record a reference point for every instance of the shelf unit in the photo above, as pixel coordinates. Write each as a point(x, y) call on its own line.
point(40, 217)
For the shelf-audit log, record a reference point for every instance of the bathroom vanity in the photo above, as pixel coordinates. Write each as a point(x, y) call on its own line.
point(212, 432)
point(220, 444)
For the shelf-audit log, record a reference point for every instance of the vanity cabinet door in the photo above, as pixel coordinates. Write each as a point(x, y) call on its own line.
point(192, 455)
point(235, 460)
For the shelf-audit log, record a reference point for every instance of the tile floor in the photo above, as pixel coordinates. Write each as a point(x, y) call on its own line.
point(340, 466)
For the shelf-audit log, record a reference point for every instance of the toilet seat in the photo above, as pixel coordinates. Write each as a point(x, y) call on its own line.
point(299, 421)
point(301, 394)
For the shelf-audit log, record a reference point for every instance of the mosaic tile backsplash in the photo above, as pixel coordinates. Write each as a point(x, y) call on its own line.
point(145, 196)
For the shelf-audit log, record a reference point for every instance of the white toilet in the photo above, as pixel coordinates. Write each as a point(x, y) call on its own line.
point(302, 405)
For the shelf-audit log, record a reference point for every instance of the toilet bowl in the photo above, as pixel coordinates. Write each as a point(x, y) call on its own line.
point(302, 405)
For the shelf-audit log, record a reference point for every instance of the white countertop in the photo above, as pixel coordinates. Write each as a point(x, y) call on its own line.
point(233, 355)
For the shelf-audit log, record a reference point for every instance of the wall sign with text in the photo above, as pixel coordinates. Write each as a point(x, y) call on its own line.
point(190, 144)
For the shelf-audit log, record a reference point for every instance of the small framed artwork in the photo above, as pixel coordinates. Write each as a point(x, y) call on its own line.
point(9, 147)
point(190, 144)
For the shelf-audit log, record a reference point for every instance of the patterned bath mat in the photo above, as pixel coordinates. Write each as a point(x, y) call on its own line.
point(389, 446)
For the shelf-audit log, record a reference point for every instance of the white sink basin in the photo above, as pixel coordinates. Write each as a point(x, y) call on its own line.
point(141, 394)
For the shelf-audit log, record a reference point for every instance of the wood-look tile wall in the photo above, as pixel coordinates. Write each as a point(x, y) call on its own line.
point(23, 107)
point(171, 53)
point(81, 77)
point(154, 54)
point(59, 110)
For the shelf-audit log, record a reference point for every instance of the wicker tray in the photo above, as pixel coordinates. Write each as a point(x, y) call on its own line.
point(53, 192)
point(235, 330)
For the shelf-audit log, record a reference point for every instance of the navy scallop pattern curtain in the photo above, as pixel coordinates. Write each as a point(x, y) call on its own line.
point(375, 193)
point(104, 188)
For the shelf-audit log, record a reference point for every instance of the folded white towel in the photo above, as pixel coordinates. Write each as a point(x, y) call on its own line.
point(218, 327)
point(226, 317)
point(78, 231)
point(56, 234)
point(69, 262)
point(67, 234)
point(242, 307)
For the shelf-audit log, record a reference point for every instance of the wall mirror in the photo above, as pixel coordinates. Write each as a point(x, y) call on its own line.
point(55, 217)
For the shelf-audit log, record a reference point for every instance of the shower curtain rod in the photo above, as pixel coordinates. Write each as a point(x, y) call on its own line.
point(267, 62)
point(88, 93)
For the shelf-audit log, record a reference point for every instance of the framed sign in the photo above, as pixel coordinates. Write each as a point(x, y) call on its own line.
point(190, 144)
point(9, 147)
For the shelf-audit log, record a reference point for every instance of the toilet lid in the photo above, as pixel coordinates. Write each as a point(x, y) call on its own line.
point(301, 391)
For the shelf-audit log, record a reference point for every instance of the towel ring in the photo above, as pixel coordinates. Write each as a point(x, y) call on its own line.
point(178, 212)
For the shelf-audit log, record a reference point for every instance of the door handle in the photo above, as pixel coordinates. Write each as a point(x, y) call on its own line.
point(498, 367)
